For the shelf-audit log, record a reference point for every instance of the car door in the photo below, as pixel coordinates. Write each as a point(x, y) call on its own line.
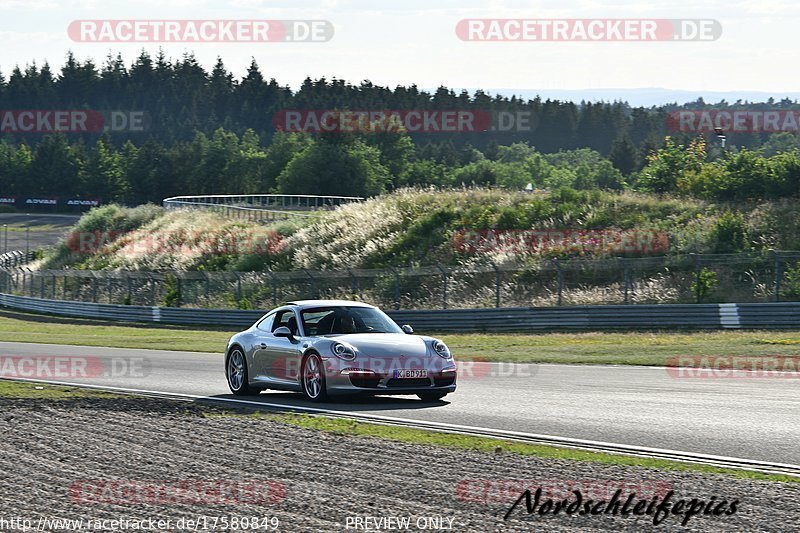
point(280, 356)
point(262, 335)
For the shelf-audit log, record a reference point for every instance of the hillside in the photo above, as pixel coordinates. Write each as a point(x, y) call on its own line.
point(423, 227)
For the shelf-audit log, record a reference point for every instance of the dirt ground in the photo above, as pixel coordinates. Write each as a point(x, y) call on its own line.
point(141, 459)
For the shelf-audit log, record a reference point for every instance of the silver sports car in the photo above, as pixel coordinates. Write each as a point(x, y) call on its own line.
point(327, 347)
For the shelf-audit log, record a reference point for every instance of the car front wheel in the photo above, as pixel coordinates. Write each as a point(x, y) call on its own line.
point(236, 372)
point(314, 379)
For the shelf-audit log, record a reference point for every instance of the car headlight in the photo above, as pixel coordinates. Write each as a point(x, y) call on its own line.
point(441, 349)
point(343, 351)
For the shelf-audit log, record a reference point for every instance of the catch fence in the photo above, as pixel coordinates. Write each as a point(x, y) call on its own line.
point(740, 278)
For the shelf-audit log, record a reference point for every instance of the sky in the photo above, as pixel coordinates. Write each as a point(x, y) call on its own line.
point(415, 42)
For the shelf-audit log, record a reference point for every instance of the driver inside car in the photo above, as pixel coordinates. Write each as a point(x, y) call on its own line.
point(347, 324)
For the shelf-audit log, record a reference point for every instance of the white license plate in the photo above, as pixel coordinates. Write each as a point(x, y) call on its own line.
point(410, 374)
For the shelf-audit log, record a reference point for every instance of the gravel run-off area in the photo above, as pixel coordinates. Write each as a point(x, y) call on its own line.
point(138, 459)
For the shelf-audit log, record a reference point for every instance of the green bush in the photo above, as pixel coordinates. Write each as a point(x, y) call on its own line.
point(113, 217)
point(729, 234)
point(171, 293)
point(791, 282)
point(704, 284)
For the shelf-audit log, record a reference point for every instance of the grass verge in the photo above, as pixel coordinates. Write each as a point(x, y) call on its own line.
point(25, 327)
point(34, 391)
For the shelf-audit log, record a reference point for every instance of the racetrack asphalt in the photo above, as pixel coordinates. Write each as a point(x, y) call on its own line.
point(58, 226)
point(749, 418)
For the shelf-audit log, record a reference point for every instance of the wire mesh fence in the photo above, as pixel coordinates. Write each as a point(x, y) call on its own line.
point(740, 278)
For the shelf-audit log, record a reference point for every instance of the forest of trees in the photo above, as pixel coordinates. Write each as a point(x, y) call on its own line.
point(207, 132)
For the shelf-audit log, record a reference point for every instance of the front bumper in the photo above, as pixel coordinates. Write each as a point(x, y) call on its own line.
point(354, 380)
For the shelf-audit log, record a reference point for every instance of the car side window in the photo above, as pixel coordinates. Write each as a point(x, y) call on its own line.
point(266, 323)
point(285, 318)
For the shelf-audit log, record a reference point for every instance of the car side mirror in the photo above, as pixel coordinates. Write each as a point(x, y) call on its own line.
point(407, 329)
point(283, 331)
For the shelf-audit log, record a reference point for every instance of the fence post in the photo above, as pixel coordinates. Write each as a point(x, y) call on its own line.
point(496, 284)
point(238, 288)
point(778, 273)
point(626, 276)
point(94, 287)
point(313, 282)
point(353, 284)
point(444, 285)
point(697, 288)
point(560, 277)
point(396, 288)
point(274, 287)
point(129, 297)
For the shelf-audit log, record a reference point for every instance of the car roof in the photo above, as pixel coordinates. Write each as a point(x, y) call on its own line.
point(305, 304)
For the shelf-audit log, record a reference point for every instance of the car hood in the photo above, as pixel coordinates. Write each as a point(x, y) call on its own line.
point(385, 344)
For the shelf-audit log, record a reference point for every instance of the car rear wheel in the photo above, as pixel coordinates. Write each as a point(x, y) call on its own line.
point(314, 387)
point(236, 372)
point(431, 396)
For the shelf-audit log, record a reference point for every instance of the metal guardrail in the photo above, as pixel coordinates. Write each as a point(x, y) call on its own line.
point(586, 318)
point(259, 207)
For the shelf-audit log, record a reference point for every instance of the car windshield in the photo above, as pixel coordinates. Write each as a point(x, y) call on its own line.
point(343, 320)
